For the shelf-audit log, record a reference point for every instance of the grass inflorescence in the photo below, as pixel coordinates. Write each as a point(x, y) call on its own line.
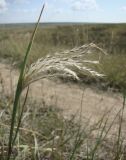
point(31, 130)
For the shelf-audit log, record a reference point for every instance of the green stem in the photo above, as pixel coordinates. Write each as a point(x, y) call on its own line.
point(20, 88)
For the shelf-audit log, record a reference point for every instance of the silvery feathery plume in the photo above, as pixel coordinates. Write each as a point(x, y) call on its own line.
point(68, 64)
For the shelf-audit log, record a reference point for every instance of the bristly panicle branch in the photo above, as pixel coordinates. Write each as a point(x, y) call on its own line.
point(68, 64)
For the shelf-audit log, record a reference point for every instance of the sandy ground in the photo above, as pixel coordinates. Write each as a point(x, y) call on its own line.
point(68, 97)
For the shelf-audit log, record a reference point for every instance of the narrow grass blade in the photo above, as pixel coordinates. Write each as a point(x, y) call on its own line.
point(20, 118)
point(20, 88)
point(119, 141)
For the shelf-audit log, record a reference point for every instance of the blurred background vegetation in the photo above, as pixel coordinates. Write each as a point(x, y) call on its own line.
point(57, 37)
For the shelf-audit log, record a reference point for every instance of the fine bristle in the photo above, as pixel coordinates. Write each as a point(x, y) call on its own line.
point(67, 64)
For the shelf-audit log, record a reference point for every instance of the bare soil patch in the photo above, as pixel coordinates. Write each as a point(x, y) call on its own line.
point(68, 97)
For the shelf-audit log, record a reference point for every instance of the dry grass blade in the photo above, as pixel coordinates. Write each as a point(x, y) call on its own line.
point(67, 64)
